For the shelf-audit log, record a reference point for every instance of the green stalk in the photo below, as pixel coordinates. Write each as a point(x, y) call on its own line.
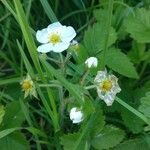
point(33, 52)
point(134, 111)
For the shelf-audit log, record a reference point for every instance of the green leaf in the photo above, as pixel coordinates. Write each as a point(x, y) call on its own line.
point(134, 144)
point(13, 116)
point(139, 25)
point(14, 90)
point(6, 132)
point(15, 141)
point(68, 141)
point(94, 38)
point(23, 22)
point(2, 113)
point(48, 10)
point(145, 105)
point(119, 62)
point(109, 137)
point(134, 123)
point(88, 107)
point(98, 124)
point(137, 53)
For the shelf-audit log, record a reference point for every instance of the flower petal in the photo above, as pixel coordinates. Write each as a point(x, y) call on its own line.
point(45, 48)
point(109, 99)
point(42, 36)
point(76, 115)
point(60, 47)
point(54, 26)
point(101, 75)
point(91, 62)
point(67, 34)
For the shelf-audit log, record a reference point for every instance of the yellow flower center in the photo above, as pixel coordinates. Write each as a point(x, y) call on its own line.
point(26, 85)
point(54, 38)
point(106, 85)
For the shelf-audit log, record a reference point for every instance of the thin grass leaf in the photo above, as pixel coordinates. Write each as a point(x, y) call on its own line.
point(48, 10)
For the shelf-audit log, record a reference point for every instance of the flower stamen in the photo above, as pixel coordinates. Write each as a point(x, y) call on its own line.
point(54, 38)
point(26, 85)
point(106, 85)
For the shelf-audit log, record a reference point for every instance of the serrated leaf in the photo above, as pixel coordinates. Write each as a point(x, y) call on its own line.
point(95, 36)
point(109, 137)
point(13, 115)
point(145, 105)
point(119, 62)
point(139, 25)
point(131, 121)
point(137, 53)
point(68, 141)
point(135, 144)
point(15, 141)
point(98, 124)
point(88, 107)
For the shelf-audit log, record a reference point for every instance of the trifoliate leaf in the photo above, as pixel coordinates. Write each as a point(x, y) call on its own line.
point(145, 105)
point(95, 38)
point(109, 137)
point(119, 62)
point(138, 25)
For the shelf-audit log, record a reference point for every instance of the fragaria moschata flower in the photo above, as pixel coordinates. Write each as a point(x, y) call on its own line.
point(107, 86)
point(55, 37)
point(28, 87)
point(91, 62)
point(76, 115)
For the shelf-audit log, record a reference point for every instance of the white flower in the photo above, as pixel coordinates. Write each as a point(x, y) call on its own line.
point(55, 37)
point(107, 86)
point(28, 87)
point(76, 115)
point(91, 62)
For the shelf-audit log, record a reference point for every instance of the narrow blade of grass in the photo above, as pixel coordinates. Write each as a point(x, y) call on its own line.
point(48, 10)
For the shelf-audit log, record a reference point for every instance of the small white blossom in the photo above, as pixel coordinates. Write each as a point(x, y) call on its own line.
point(91, 62)
point(28, 87)
point(107, 86)
point(76, 115)
point(55, 37)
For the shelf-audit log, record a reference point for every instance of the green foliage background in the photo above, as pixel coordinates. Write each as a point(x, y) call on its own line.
point(117, 33)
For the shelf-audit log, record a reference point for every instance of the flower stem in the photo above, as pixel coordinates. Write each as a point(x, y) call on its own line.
point(90, 87)
point(134, 111)
point(85, 74)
